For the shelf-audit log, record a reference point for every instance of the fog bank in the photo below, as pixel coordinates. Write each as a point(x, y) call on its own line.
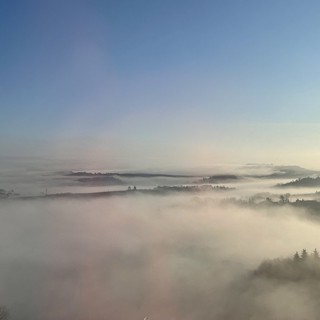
point(173, 257)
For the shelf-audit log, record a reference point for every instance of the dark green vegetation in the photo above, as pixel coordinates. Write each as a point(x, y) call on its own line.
point(160, 190)
point(300, 267)
point(115, 178)
point(166, 189)
point(301, 182)
point(220, 178)
point(264, 201)
point(283, 288)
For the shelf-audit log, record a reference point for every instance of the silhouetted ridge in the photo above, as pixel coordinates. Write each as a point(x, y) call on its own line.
point(220, 178)
point(127, 175)
point(302, 182)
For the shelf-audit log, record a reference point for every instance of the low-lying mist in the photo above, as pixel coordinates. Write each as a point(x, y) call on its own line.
point(130, 257)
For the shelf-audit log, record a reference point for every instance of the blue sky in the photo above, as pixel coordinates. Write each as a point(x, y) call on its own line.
point(203, 81)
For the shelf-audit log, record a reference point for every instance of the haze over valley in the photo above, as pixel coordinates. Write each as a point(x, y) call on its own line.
point(159, 160)
point(178, 246)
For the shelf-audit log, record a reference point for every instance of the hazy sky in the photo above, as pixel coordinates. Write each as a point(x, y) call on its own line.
point(152, 83)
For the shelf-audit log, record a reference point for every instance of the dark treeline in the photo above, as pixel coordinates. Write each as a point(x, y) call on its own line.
point(301, 182)
point(128, 174)
point(262, 201)
point(220, 178)
point(301, 266)
point(283, 288)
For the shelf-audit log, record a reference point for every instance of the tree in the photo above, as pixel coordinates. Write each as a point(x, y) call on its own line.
point(304, 254)
point(296, 257)
point(284, 198)
point(316, 254)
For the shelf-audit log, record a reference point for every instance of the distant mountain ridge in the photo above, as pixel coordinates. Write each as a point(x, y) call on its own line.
point(128, 175)
point(283, 172)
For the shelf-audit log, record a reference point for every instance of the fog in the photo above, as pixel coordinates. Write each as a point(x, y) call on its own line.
point(161, 257)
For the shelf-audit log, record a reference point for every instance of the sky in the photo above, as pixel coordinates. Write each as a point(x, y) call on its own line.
point(168, 83)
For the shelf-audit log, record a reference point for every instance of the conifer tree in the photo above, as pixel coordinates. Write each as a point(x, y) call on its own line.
point(304, 254)
point(316, 254)
point(296, 257)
